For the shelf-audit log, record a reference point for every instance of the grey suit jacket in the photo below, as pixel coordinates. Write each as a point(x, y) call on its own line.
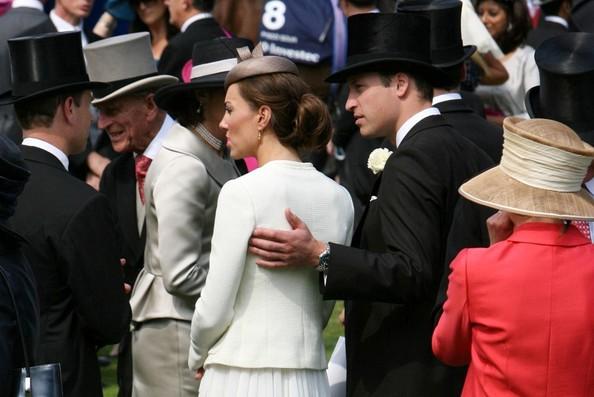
point(20, 21)
point(181, 191)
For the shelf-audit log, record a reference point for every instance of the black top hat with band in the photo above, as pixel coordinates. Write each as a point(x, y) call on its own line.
point(565, 94)
point(395, 41)
point(126, 63)
point(211, 61)
point(446, 35)
point(46, 64)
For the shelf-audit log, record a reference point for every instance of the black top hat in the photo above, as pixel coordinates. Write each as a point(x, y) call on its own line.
point(46, 64)
point(377, 41)
point(446, 35)
point(566, 67)
point(582, 15)
point(211, 61)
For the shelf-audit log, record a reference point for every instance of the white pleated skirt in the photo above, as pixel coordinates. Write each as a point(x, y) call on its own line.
point(225, 381)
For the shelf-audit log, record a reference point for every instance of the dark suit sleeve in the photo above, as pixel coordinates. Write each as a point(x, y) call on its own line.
point(170, 62)
point(89, 248)
point(411, 217)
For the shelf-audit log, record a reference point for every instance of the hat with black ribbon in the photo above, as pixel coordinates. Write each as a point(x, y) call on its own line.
point(126, 63)
point(211, 61)
point(44, 65)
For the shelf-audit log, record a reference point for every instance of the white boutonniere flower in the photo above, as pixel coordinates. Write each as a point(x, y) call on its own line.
point(377, 160)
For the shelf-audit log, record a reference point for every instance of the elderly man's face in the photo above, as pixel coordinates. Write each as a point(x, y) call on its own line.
point(127, 122)
point(78, 9)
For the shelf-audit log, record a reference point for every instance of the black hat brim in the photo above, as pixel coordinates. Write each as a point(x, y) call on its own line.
point(433, 74)
point(468, 51)
point(170, 97)
point(532, 102)
point(8, 99)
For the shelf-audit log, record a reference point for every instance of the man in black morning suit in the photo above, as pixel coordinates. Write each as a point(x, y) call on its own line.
point(390, 275)
point(196, 23)
point(69, 227)
point(556, 15)
point(448, 53)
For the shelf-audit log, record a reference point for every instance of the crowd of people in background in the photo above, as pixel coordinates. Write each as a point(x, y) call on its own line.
point(197, 182)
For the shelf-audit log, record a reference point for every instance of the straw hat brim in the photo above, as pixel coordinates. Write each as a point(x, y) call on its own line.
point(152, 82)
point(495, 189)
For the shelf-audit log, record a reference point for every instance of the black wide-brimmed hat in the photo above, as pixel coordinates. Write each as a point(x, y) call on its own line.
point(13, 177)
point(398, 42)
point(446, 35)
point(126, 63)
point(46, 64)
point(565, 93)
point(582, 15)
point(211, 61)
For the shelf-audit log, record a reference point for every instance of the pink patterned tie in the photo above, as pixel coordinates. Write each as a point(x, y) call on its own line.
point(141, 167)
point(583, 227)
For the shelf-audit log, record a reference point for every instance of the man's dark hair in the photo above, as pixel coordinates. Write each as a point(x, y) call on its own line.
point(40, 112)
point(551, 8)
point(204, 5)
point(423, 86)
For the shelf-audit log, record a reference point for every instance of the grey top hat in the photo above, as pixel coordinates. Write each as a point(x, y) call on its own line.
point(126, 63)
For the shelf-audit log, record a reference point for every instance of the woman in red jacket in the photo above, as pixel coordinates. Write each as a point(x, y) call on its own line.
point(520, 312)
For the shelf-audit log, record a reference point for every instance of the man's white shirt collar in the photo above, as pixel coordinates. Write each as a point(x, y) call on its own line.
point(414, 120)
point(155, 145)
point(450, 96)
point(64, 26)
point(48, 147)
point(194, 18)
point(555, 19)
point(28, 3)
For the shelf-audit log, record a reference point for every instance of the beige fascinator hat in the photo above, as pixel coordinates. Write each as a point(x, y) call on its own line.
point(542, 168)
point(256, 64)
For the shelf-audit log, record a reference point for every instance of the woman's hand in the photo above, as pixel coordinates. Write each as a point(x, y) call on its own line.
point(499, 226)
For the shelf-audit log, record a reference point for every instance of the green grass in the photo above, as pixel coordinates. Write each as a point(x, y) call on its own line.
point(331, 334)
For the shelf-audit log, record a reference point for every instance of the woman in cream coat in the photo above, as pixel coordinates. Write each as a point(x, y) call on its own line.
point(258, 332)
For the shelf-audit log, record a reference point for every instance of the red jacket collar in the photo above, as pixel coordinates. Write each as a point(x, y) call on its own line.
point(548, 234)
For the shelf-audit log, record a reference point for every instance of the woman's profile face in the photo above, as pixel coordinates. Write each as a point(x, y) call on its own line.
point(241, 123)
point(151, 11)
point(494, 17)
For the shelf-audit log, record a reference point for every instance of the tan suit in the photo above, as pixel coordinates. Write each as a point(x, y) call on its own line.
point(181, 191)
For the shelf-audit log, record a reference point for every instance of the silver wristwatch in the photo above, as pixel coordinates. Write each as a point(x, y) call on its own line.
point(324, 260)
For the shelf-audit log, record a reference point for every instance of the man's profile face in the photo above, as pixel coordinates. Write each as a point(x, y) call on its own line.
point(78, 9)
point(374, 106)
point(125, 120)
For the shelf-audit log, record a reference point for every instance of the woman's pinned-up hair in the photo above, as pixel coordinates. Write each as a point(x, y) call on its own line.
point(299, 118)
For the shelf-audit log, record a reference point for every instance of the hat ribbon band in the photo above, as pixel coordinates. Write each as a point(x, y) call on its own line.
point(542, 166)
point(211, 68)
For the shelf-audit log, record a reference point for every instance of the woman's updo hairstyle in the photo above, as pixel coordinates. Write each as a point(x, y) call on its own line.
point(299, 118)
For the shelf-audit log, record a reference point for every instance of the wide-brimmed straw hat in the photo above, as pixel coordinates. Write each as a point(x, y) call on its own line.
point(541, 172)
point(211, 61)
point(389, 42)
point(44, 65)
point(126, 63)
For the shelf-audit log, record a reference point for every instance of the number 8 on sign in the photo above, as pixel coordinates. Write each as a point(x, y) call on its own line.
point(274, 15)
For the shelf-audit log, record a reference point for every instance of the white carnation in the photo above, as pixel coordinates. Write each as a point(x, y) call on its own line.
point(377, 160)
